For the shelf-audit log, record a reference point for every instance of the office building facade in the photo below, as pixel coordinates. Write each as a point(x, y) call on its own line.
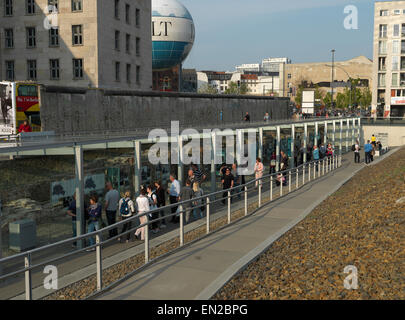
point(78, 43)
point(389, 59)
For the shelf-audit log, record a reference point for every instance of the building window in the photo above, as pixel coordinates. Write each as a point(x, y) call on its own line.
point(138, 46)
point(128, 73)
point(395, 63)
point(76, 5)
point(9, 38)
point(381, 79)
point(396, 30)
point(53, 37)
point(395, 46)
point(54, 69)
point(128, 43)
point(117, 9)
point(10, 70)
point(8, 8)
point(395, 79)
point(381, 64)
point(289, 76)
point(383, 30)
point(382, 47)
point(117, 40)
point(77, 68)
point(32, 69)
point(383, 13)
point(403, 47)
point(138, 74)
point(31, 41)
point(77, 36)
point(127, 10)
point(137, 18)
point(117, 71)
point(397, 12)
point(30, 7)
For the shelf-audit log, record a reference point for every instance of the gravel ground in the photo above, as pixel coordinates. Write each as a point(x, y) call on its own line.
point(362, 224)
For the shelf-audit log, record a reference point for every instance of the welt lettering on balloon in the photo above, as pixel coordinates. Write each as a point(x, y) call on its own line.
point(165, 28)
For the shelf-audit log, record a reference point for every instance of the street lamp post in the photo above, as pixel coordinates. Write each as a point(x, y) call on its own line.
point(333, 65)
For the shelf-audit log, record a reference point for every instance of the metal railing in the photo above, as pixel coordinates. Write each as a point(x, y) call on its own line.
point(283, 181)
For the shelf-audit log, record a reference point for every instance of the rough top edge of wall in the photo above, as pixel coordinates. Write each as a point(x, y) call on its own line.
point(106, 92)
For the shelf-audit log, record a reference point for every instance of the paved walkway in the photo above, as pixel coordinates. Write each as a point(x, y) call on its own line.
point(201, 269)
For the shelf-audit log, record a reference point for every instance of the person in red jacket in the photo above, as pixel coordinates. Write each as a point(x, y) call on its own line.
point(24, 127)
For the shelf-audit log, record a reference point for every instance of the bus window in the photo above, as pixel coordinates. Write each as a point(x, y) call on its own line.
point(27, 91)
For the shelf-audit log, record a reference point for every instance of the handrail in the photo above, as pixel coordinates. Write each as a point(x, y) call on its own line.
point(333, 162)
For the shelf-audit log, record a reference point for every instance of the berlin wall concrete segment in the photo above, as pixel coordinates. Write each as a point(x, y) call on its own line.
point(68, 111)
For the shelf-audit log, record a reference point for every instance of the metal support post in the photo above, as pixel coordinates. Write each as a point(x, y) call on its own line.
point(229, 207)
point(99, 263)
point(79, 192)
point(208, 215)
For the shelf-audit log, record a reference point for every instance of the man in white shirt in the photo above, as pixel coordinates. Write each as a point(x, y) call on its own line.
point(174, 193)
point(111, 204)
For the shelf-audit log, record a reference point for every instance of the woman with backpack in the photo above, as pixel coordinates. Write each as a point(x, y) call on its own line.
point(153, 206)
point(197, 192)
point(126, 209)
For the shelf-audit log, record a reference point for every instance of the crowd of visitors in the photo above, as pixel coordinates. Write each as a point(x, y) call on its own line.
point(150, 198)
point(370, 148)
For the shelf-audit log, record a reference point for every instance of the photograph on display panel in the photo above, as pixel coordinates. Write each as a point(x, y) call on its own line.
point(7, 115)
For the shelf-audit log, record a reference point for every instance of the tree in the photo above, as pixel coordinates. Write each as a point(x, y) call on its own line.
point(341, 100)
point(327, 100)
point(233, 88)
point(207, 89)
point(365, 98)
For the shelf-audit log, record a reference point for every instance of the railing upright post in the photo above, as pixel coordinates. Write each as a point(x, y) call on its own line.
point(296, 179)
point(309, 172)
point(246, 201)
point(208, 215)
point(271, 188)
point(281, 185)
point(229, 207)
point(147, 239)
point(303, 174)
point(323, 166)
point(315, 165)
point(289, 181)
point(99, 262)
point(181, 226)
point(28, 279)
point(260, 193)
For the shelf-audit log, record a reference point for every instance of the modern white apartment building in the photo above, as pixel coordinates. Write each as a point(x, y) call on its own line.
point(389, 59)
point(79, 43)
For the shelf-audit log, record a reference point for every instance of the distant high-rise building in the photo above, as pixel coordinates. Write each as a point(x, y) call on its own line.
point(102, 44)
point(389, 59)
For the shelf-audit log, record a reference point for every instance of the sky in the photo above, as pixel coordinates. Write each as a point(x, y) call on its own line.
point(233, 32)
